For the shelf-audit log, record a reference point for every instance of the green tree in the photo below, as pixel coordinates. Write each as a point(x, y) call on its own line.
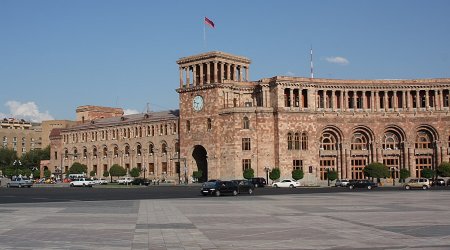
point(33, 158)
point(249, 173)
point(7, 157)
point(275, 174)
point(78, 168)
point(117, 170)
point(197, 174)
point(444, 169)
point(297, 174)
point(106, 174)
point(404, 173)
point(332, 175)
point(376, 170)
point(92, 173)
point(135, 172)
point(47, 173)
point(36, 174)
point(427, 173)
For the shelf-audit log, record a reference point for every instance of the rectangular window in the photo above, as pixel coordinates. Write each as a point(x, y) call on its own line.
point(164, 167)
point(246, 164)
point(151, 168)
point(297, 164)
point(246, 144)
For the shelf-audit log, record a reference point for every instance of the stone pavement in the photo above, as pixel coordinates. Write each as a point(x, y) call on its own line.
point(352, 220)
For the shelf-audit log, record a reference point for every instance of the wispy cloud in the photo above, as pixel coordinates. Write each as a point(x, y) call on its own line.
point(337, 60)
point(289, 73)
point(28, 111)
point(130, 111)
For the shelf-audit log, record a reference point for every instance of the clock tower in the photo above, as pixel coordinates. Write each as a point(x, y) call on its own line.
point(206, 94)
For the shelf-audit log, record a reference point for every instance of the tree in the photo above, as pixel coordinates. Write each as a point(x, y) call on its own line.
point(444, 169)
point(332, 175)
point(376, 170)
point(36, 174)
point(404, 173)
point(33, 158)
point(7, 157)
point(197, 174)
point(249, 173)
point(274, 174)
point(92, 173)
point(106, 174)
point(427, 173)
point(297, 174)
point(78, 168)
point(135, 172)
point(47, 173)
point(117, 170)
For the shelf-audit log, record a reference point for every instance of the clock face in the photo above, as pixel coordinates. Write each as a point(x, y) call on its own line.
point(197, 103)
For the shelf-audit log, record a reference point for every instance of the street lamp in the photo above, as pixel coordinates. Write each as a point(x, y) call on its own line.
point(267, 169)
point(145, 170)
point(18, 164)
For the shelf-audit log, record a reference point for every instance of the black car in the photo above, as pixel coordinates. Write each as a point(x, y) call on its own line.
point(258, 182)
point(244, 186)
point(218, 188)
point(361, 184)
point(141, 181)
point(437, 182)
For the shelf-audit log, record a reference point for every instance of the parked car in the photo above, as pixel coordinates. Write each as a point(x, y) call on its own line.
point(258, 182)
point(218, 188)
point(422, 183)
point(286, 183)
point(341, 183)
point(244, 186)
point(81, 182)
point(20, 182)
point(125, 180)
point(438, 182)
point(361, 184)
point(100, 181)
point(141, 181)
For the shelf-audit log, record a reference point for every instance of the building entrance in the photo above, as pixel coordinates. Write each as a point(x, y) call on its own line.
point(200, 157)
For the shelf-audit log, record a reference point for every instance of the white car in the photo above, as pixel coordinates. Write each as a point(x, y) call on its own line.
point(124, 180)
point(100, 181)
point(82, 182)
point(286, 183)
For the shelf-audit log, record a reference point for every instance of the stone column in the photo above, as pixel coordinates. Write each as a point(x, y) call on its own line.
point(208, 72)
point(332, 100)
point(228, 71)
point(194, 71)
point(201, 74)
point(403, 100)
point(240, 73)
point(181, 77)
point(345, 100)
point(188, 76)
point(441, 100)
point(372, 101)
point(376, 101)
point(427, 100)
point(355, 105)
point(394, 100)
point(341, 100)
point(247, 72)
point(222, 77)
point(215, 71)
point(436, 102)
point(418, 104)
point(385, 101)
point(363, 99)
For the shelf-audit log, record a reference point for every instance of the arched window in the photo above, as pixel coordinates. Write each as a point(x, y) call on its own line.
point(177, 147)
point(84, 153)
point(289, 140)
point(164, 148)
point(116, 151)
point(209, 125)
point(423, 140)
point(359, 142)
point(304, 141)
point(296, 141)
point(328, 142)
point(391, 141)
point(151, 148)
point(138, 149)
point(94, 152)
point(246, 123)
point(105, 152)
point(127, 150)
point(75, 153)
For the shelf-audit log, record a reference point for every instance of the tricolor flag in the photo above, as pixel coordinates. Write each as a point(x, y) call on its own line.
point(209, 22)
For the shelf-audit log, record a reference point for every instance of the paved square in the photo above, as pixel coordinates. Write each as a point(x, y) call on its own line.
point(357, 220)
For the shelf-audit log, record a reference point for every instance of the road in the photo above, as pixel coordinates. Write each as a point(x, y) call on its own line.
point(64, 194)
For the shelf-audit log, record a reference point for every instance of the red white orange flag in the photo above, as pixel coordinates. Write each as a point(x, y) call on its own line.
point(209, 22)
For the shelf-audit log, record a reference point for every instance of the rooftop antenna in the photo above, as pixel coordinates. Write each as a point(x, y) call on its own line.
point(148, 107)
point(312, 65)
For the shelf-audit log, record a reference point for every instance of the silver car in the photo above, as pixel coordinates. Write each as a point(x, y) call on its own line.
point(341, 183)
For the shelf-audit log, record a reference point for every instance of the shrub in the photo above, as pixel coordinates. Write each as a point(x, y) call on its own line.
point(274, 174)
point(249, 173)
point(297, 174)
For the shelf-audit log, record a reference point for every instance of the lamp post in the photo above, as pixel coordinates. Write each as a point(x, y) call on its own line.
point(267, 169)
point(18, 164)
point(145, 170)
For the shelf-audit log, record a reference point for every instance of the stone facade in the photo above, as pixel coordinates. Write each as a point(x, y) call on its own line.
point(20, 135)
point(308, 123)
point(147, 141)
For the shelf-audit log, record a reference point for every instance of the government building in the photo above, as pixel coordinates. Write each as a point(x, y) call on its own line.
point(227, 123)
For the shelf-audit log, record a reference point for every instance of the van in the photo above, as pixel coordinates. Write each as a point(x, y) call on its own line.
point(258, 181)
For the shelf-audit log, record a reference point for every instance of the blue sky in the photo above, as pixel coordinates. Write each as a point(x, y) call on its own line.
point(57, 55)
